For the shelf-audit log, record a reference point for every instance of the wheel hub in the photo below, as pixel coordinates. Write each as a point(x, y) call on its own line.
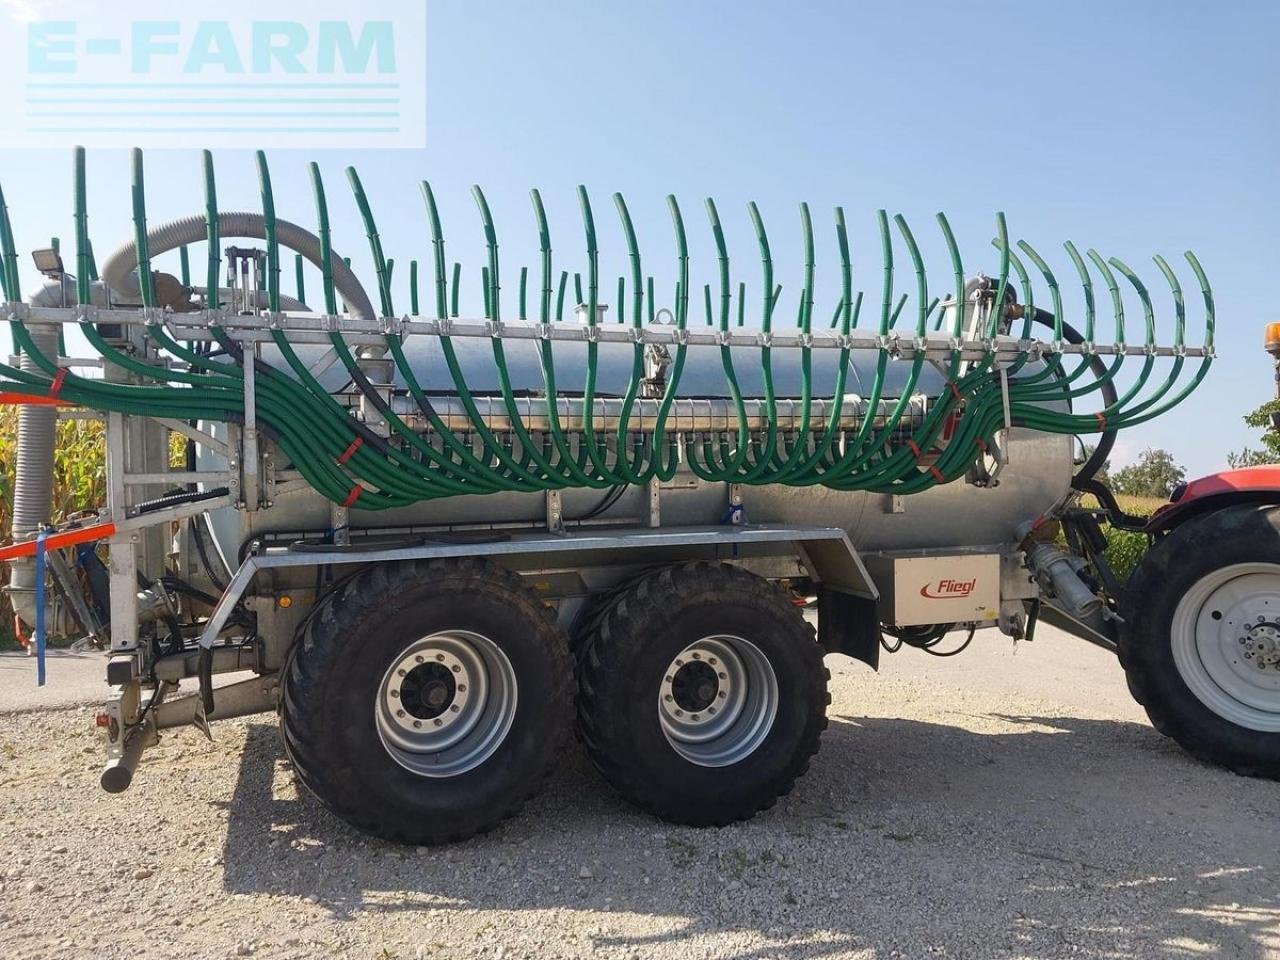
point(717, 700)
point(446, 703)
point(1225, 637)
point(1262, 645)
point(695, 686)
point(431, 688)
point(428, 690)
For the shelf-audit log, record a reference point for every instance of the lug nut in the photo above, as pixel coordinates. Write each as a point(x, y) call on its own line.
point(395, 693)
point(462, 688)
point(722, 675)
point(721, 694)
point(400, 714)
point(440, 657)
point(456, 668)
point(418, 658)
point(454, 708)
point(694, 717)
point(696, 655)
point(417, 724)
point(668, 698)
point(438, 722)
point(400, 672)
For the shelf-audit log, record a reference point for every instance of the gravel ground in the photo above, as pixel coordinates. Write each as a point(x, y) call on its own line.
point(1002, 804)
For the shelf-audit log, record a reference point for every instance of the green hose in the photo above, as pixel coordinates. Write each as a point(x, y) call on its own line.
point(349, 462)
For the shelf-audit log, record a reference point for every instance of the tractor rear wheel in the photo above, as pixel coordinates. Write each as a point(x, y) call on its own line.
point(424, 702)
point(702, 694)
point(1200, 643)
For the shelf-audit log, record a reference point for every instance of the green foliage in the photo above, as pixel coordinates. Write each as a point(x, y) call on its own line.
point(79, 481)
point(1154, 474)
point(1248, 457)
point(79, 466)
point(1269, 452)
point(1126, 548)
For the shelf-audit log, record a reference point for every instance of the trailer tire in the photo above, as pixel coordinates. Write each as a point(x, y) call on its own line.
point(627, 670)
point(1197, 617)
point(358, 657)
point(587, 623)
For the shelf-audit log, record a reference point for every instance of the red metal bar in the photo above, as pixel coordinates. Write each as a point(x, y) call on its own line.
point(56, 541)
point(23, 398)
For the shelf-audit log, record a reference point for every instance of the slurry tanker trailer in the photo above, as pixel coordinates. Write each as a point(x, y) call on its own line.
point(433, 543)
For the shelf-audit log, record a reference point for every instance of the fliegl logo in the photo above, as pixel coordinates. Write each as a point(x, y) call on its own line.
point(948, 589)
point(267, 73)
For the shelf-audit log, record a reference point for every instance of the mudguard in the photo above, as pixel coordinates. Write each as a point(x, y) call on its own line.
point(1217, 490)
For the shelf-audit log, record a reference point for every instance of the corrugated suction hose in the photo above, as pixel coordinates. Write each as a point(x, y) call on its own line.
point(33, 483)
point(120, 269)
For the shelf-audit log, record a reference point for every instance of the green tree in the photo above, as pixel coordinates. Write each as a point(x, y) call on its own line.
point(1269, 452)
point(1154, 474)
point(1249, 457)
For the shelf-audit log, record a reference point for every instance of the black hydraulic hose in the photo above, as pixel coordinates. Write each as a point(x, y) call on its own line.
point(1116, 515)
point(611, 496)
point(239, 616)
point(1109, 396)
point(198, 538)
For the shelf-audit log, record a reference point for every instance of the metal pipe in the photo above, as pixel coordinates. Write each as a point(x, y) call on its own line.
point(118, 773)
point(686, 415)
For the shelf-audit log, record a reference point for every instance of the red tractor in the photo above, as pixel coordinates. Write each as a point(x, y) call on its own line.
point(1200, 637)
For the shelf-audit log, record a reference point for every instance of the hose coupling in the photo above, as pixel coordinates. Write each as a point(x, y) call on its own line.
point(1058, 572)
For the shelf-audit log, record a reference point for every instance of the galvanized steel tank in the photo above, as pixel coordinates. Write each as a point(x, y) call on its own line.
point(958, 514)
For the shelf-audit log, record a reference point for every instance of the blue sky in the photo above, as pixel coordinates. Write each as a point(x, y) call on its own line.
point(1135, 128)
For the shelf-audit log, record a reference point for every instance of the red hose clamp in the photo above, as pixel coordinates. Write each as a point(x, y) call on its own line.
point(937, 475)
point(56, 386)
point(952, 422)
point(955, 391)
point(353, 496)
point(348, 453)
point(1102, 420)
point(915, 450)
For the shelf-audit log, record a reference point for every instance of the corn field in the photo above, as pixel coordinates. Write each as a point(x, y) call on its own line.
point(79, 480)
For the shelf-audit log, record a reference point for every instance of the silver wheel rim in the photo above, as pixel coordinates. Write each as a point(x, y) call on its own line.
point(1226, 644)
point(446, 703)
point(717, 700)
